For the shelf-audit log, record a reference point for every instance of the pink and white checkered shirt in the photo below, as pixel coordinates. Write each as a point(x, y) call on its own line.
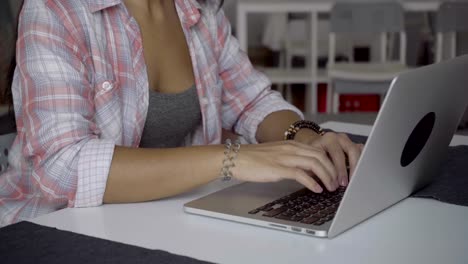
point(81, 88)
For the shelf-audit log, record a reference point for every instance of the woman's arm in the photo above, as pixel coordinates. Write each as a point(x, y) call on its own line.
point(337, 146)
point(272, 128)
point(147, 174)
point(54, 105)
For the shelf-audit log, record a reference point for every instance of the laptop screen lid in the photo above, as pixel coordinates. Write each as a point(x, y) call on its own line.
point(408, 142)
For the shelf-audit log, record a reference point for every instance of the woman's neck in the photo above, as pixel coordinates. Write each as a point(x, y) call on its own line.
point(154, 9)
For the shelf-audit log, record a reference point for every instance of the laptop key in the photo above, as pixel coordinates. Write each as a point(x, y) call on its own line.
point(322, 214)
point(321, 206)
point(287, 214)
point(298, 208)
point(336, 199)
point(283, 217)
point(304, 203)
point(310, 220)
point(275, 212)
point(297, 218)
point(319, 223)
point(254, 211)
point(266, 206)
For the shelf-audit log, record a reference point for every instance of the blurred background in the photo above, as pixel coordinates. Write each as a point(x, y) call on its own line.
point(370, 41)
point(292, 41)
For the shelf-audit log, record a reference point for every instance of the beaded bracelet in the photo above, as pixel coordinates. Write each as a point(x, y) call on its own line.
point(296, 126)
point(230, 154)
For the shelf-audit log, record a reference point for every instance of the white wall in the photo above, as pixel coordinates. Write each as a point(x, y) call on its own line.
point(414, 24)
point(256, 22)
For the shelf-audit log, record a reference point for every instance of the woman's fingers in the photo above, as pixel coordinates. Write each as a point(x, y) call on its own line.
point(307, 164)
point(335, 151)
point(320, 154)
point(343, 152)
point(352, 150)
point(300, 176)
point(313, 165)
point(304, 179)
point(354, 153)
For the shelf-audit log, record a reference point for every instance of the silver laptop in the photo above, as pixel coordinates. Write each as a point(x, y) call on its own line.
point(403, 153)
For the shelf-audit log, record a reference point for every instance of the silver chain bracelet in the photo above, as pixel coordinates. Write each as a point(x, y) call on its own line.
point(231, 150)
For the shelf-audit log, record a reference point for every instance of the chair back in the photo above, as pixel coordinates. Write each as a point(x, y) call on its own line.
point(5, 144)
point(9, 12)
point(382, 18)
point(366, 17)
point(452, 18)
point(7, 136)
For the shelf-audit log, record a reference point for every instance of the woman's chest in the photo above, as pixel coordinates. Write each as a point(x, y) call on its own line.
point(166, 53)
point(125, 65)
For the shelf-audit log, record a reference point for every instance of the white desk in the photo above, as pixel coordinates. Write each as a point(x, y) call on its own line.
point(313, 7)
point(413, 231)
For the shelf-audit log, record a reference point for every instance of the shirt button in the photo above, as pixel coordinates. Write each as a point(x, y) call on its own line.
point(106, 86)
point(204, 100)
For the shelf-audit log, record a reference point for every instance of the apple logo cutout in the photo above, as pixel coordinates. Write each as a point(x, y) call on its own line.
point(418, 139)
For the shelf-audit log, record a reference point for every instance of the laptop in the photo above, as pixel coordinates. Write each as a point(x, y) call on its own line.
point(403, 153)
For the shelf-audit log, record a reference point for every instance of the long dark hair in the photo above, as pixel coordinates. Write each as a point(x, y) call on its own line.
point(8, 45)
point(7, 93)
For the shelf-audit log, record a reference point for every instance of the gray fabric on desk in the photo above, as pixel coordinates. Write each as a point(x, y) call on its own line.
point(451, 185)
point(30, 243)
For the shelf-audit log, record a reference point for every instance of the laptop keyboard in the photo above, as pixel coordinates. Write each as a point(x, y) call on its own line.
point(304, 206)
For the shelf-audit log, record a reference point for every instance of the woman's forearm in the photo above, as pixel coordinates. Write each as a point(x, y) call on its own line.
point(274, 125)
point(138, 175)
point(272, 128)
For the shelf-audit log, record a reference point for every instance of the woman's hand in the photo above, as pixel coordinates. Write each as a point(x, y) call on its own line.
point(341, 150)
point(271, 162)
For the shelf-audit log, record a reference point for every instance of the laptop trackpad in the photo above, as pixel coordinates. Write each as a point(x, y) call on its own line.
point(242, 198)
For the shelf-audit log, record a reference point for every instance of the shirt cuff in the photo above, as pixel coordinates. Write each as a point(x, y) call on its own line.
point(93, 170)
point(273, 102)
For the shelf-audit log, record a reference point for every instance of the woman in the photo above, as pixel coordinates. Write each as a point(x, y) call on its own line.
point(126, 101)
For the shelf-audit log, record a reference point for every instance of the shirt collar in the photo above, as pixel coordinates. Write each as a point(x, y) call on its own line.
point(98, 5)
point(190, 9)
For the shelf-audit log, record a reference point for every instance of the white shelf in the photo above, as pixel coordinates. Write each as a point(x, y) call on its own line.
point(284, 76)
point(267, 6)
point(313, 7)
point(294, 76)
point(322, 76)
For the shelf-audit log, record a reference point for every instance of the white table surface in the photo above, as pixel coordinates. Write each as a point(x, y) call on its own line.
point(412, 231)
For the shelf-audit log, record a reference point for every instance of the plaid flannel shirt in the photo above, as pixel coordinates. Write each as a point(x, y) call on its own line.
point(81, 88)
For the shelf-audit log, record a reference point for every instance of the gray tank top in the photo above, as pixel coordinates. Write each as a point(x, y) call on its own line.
point(170, 118)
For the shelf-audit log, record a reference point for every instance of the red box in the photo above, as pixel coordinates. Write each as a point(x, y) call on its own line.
point(359, 103)
point(349, 102)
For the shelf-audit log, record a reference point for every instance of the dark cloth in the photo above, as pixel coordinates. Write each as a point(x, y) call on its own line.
point(7, 123)
point(170, 118)
point(26, 242)
point(451, 185)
